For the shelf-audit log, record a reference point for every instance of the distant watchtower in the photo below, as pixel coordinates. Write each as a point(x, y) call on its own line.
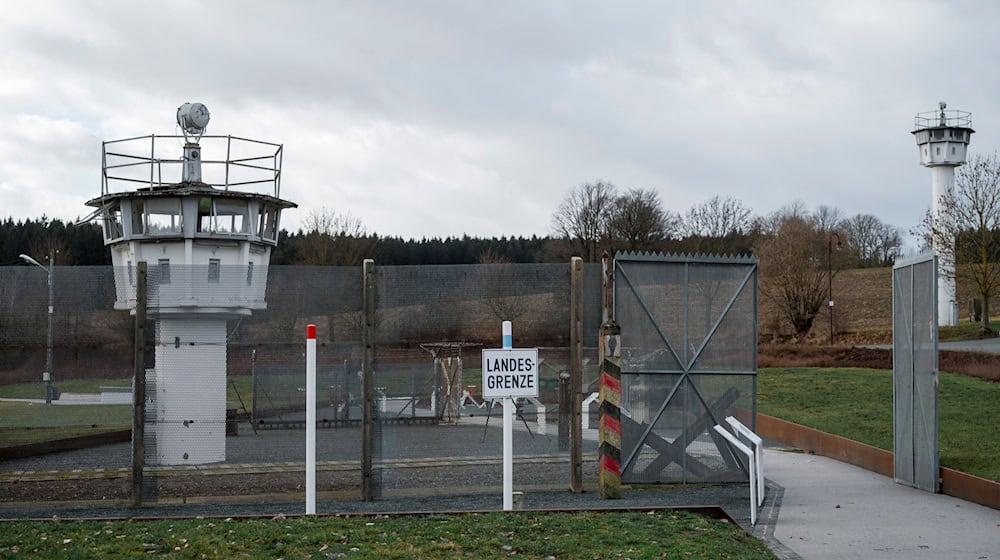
point(943, 139)
point(207, 246)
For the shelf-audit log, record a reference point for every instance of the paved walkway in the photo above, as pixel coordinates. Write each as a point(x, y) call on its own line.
point(831, 509)
point(984, 345)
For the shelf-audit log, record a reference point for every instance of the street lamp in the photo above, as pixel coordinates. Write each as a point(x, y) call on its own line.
point(829, 276)
point(47, 376)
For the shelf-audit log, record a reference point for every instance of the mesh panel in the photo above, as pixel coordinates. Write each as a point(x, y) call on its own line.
point(225, 378)
point(432, 324)
point(689, 344)
point(915, 373)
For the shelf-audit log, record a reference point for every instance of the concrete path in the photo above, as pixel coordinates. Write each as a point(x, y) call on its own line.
point(983, 345)
point(834, 510)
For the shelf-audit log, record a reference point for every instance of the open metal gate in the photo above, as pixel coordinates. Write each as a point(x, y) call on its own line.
point(915, 372)
point(689, 359)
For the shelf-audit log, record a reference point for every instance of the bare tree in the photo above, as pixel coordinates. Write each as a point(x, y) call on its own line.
point(718, 225)
point(638, 221)
point(793, 267)
point(336, 239)
point(583, 217)
point(828, 218)
point(875, 242)
point(966, 233)
point(718, 217)
point(502, 298)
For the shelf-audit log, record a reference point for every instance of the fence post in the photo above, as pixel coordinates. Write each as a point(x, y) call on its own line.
point(609, 430)
point(367, 383)
point(310, 419)
point(139, 386)
point(576, 373)
point(609, 434)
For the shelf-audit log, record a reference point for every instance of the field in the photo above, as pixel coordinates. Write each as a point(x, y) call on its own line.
point(857, 403)
point(577, 535)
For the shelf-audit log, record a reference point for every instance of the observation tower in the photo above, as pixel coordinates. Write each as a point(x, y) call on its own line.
point(207, 246)
point(943, 139)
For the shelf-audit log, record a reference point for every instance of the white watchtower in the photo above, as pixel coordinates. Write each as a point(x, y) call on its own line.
point(207, 247)
point(943, 138)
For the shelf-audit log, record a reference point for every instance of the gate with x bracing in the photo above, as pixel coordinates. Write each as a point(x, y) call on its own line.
point(689, 360)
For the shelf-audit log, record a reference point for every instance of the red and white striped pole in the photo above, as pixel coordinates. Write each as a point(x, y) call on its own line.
point(310, 419)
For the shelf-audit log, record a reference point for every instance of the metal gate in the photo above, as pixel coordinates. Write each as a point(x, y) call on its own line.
point(915, 372)
point(689, 359)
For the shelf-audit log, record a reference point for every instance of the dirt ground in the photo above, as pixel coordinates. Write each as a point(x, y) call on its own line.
point(974, 364)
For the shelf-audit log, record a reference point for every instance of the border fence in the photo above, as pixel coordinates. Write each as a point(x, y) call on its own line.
point(433, 431)
point(420, 329)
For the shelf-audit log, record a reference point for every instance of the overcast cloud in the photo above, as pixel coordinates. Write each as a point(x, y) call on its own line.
point(436, 118)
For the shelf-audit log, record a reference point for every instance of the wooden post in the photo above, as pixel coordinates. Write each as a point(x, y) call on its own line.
point(576, 373)
point(368, 383)
point(139, 386)
point(609, 431)
point(609, 434)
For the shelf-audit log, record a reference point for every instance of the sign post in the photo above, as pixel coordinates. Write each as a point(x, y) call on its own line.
point(508, 373)
point(310, 419)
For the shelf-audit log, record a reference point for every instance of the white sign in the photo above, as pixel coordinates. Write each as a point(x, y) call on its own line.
point(510, 372)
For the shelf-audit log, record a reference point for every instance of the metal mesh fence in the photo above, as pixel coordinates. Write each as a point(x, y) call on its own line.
point(432, 324)
point(225, 378)
point(915, 368)
point(689, 359)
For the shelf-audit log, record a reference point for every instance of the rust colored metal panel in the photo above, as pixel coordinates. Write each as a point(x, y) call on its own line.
point(814, 441)
point(970, 487)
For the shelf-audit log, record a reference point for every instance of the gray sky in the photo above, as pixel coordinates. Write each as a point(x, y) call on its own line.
point(436, 118)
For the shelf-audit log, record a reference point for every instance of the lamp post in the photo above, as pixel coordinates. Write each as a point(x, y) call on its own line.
point(829, 276)
point(47, 376)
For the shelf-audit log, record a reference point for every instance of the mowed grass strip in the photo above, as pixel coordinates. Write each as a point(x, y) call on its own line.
point(571, 535)
point(856, 403)
point(22, 423)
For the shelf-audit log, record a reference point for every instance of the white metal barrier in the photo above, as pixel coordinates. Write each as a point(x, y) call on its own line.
point(586, 410)
point(540, 411)
point(757, 444)
point(754, 456)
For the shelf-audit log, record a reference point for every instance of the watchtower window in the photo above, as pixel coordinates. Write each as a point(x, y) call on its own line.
point(113, 222)
point(222, 216)
point(267, 223)
point(213, 270)
point(164, 271)
point(161, 215)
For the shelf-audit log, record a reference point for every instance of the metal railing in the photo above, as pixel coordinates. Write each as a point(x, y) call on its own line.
point(144, 160)
point(943, 118)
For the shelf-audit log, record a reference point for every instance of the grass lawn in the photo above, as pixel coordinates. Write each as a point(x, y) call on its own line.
point(857, 404)
point(578, 535)
point(965, 330)
point(22, 423)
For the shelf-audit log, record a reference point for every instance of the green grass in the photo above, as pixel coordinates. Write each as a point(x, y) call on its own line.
point(965, 330)
point(36, 390)
point(22, 423)
point(857, 404)
point(566, 536)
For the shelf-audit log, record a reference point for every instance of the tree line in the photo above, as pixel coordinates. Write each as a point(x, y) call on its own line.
point(798, 249)
point(592, 218)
